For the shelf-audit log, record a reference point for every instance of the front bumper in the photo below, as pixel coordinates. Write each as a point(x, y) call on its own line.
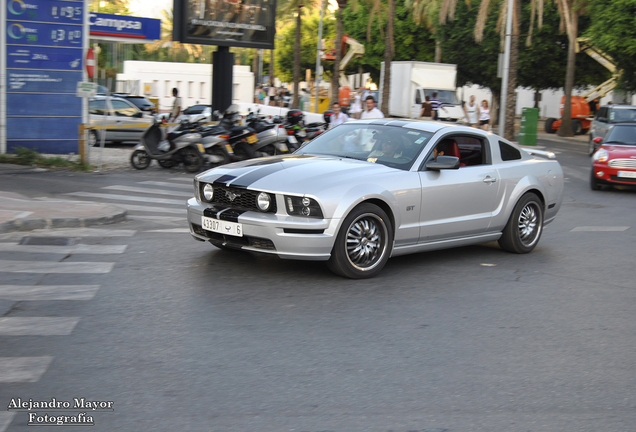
point(610, 175)
point(289, 237)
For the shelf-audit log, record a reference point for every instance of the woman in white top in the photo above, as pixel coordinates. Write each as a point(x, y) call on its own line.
point(484, 115)
point(338, 116)
point(472, 112)
point(356, 105)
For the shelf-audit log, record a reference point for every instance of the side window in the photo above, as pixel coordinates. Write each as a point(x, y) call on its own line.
point(602, 114)
point(418, 98)
point(508, 152)
point(96, 107)
point(472, 151)
point(122, 109)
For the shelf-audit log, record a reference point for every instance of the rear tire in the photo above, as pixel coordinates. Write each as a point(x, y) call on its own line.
point(166, 163)
point(93, 139)
point(218, 153)
point(192, 160)
point(548, 125)
point(244, 151)
point(363, 244)
point(524, 228)
point(140, 159)
point(577, 127)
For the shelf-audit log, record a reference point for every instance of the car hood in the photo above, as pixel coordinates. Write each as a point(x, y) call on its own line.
point(296, 174)
point(620, 151)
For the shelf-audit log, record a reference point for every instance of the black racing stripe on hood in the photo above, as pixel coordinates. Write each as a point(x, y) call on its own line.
point(258, 173)
point(223, 179)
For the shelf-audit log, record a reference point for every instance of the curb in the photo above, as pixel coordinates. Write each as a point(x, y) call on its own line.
point(69, 222)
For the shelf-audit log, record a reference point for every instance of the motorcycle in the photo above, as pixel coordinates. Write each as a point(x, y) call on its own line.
point(271, 137)
point(180, 146)
point(242, 139)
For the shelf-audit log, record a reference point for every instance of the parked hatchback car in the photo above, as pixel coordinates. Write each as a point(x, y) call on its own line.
point(141, 102)
point(123, 120)
point(372, 189)
point(614, 163)
point(607, 116)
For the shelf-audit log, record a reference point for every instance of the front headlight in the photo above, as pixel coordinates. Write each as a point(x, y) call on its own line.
point(601, 156)
point(208, 192)
point(302, 206)
point(263, 201)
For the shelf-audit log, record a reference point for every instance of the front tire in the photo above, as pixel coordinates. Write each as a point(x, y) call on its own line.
point(166, 163)
point(364, 243)
point(220, 157)
point(93, 139)
point(548, 125)
point(192, 160)
point(140, 159)
point(594, 184)
point(524, 228)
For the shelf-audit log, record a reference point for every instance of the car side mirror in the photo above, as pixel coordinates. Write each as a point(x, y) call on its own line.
point(598, 140)
point(138, 115)
point(442, 163)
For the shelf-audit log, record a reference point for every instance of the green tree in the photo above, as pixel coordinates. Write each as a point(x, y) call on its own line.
point(613, 30)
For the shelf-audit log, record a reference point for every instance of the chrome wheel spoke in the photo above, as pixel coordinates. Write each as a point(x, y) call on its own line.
point(365, 241)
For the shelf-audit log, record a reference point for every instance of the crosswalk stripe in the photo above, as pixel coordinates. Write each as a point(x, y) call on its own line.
point(37, 326)
point(5, 420)
point(180, 193)
point(47, 292)
point(167, 184)
point(128, 198)
point(55, 267)
point(152, 209)
point(157, 218)
point(75, 249)
point(23, 369)
point(183, 179)
point(599, 229)
point(81, 232)
point(171, 230)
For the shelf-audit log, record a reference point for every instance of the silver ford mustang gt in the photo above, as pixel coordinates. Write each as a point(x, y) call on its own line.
point(371, 189)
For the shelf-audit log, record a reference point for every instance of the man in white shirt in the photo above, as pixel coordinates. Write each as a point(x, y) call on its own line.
point(371, 112)
point(176, 105)
point(338, 116)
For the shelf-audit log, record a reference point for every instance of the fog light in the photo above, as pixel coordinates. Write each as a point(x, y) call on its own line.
point(306, 211)
point(263, 201)
point(306, 202)
point(600, 174)
point(208, 192)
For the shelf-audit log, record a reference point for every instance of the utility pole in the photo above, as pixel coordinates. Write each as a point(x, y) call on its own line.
point(506, 70)
point(319, 54)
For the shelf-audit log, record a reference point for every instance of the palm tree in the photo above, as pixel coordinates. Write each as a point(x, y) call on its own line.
point(427, 12)
point(377, 9)
point(176, 50)
point(569, 10)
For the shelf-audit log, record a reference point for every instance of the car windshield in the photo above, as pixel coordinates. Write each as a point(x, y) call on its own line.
point(624, 135)
point(140, 102)
point(396, 147)
point(620, 115)
point(444, 96)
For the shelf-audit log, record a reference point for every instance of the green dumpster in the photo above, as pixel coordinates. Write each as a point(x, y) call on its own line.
point(529, 123)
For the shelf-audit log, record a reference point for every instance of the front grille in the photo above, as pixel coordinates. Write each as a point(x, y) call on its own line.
point(622, 163)
point(623, 179)
point(233, 241)
point(244, 199)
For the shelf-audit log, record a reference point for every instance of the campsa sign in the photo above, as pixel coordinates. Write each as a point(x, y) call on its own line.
point(120, 26)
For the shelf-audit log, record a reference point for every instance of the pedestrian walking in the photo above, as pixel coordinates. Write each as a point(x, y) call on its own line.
point(371, 112)
point(427, 109)
point(338, 116)
point(484, 115)
point(471, 111)
point(176, 105)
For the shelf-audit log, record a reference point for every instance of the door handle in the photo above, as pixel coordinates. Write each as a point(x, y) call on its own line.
point(489, 180)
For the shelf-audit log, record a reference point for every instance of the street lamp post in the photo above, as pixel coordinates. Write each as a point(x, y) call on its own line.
point(506, 71)
point(318, 55)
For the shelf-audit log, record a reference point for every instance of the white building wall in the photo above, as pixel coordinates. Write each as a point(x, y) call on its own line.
point(194, 81)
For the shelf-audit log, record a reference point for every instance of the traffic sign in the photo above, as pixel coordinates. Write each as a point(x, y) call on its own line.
point(90, 63)
point(86, 89)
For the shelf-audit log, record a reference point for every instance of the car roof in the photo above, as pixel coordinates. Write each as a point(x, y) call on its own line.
point(429, 126)
point(617, 106)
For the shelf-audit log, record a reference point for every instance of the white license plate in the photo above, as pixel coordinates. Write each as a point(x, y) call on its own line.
point(222, 227)
point(292, 139)
point(627, 174)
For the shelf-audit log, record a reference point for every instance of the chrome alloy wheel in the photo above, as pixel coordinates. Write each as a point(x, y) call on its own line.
point(529, 224)
point(366, 241)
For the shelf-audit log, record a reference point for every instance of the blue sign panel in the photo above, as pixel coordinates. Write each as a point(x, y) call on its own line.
point(45, 11)
point(45, 59)
point(124, 26)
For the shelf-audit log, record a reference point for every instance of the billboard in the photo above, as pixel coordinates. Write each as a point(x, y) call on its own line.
point(242, 23)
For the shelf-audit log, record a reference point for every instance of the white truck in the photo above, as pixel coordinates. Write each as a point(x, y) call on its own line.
point(412, 81)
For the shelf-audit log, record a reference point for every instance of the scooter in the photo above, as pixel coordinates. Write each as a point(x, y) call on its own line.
point(180, 146)
point(271, 137)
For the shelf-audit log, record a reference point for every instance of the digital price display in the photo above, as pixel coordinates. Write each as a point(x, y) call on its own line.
point(44, 62)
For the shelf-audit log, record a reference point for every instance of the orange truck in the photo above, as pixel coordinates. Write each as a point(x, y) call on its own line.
point(581, 116)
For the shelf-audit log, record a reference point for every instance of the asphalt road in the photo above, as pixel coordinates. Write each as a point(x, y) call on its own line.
point(181, 336)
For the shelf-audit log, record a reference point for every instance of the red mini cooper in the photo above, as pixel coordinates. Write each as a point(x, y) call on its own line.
point(614, 163)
